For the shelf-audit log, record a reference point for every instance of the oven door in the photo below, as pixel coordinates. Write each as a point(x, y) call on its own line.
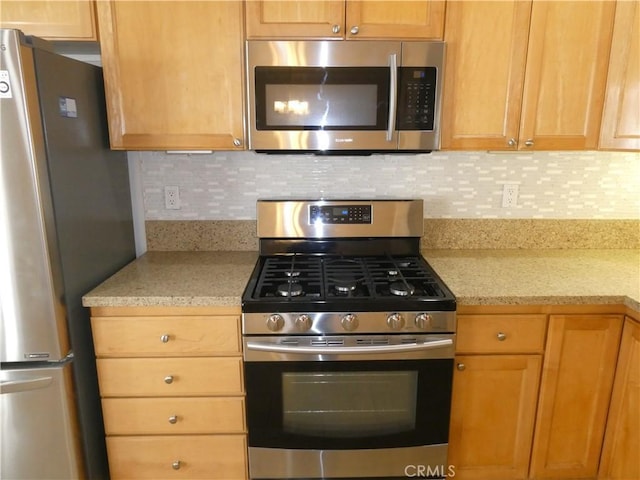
point(353, 407)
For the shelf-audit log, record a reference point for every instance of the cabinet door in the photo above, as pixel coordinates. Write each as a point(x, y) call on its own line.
point(621, 116)
point(574, 395)
point(287, 19)
point(423, 19)
point(173, 74)
point(59, 20)
point(566, 74)
point(484, 74)
point(620, 459)
point(492, 415)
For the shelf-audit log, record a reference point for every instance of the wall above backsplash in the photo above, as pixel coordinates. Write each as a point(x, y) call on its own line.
point(551, 185)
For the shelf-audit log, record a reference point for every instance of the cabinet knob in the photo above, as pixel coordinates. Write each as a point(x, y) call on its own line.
point(335, 29)
point(237, 142)
point(512, 142)
point(176, 465)
point(168, 379)
point(529, 142)
point(173, 419)
point(354, 30)
point(501, 336)
point(461, 366)
point(164, 338)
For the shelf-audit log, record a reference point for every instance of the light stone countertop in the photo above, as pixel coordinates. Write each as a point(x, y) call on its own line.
point(476, 277)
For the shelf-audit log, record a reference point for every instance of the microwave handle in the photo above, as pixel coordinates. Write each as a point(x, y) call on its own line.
point(393, 95)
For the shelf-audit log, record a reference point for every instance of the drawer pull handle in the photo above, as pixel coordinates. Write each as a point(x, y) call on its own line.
point(176, 465)
point(168, 379)
point(173, 419)
point(461, 366)
point(165, 338)
point(501, 336)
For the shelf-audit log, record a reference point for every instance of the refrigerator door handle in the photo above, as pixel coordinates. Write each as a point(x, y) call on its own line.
point(15, 386)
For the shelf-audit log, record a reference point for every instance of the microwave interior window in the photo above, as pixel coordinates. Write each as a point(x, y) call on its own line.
point(316, 98)
point(349, 404)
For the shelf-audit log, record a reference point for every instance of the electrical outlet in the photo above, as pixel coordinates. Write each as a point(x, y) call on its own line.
point(510, 195)
point(172, 197)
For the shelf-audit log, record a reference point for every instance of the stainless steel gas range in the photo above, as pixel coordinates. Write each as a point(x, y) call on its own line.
point(348, 344)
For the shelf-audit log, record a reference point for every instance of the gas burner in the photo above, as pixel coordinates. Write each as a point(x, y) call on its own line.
point(290, 290)
point(344, 284)
point(401, 289)
point(292, 273)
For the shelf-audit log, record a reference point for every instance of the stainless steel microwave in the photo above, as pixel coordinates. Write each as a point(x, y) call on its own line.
point(344, 96)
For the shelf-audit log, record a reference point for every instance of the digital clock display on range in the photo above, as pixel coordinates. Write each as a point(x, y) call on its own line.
point(340, 214)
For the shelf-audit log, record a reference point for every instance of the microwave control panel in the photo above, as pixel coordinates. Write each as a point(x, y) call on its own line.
point(339, 214)
point(416, 98)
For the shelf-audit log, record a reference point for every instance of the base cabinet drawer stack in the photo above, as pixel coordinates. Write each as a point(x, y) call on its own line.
point(172, 393)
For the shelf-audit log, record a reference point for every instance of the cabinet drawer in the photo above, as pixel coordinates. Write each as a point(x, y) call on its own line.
point(501, 333)
point(162, 336)
point(165, 377)
point(167, 416)
point(178, 457)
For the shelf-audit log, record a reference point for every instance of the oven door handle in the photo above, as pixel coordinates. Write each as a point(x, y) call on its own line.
point(367, 349)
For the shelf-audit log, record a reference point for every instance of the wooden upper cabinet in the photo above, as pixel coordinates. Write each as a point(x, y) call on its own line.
point(351, 19)
point(59, 20)
point(173, 74)
point(525, 75)
point(484, 73)
point(403, 20)
point(287, 19)
point(621, 117)
point(566, 74)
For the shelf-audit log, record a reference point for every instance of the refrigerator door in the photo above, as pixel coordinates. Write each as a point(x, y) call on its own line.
point(39, 433)
point(32, 315)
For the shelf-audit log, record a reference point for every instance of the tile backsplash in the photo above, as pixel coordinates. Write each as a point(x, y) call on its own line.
point(551, 185)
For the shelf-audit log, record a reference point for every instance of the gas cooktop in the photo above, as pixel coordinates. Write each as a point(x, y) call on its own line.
point(288, 283)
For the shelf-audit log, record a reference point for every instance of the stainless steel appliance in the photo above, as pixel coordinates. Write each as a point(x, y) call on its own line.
point(348, 343)
point(359, 97)
point(65, 225)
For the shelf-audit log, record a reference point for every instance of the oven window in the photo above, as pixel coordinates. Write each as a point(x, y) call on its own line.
point(349, 404)
point(321, 98)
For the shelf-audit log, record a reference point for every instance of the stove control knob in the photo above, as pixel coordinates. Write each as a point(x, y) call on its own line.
point(349, 322)
point(303, 322)
point(395, 321)
point(423, 321)
point(275, 322)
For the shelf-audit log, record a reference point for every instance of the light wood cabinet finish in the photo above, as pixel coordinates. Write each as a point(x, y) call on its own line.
point(351, 19)
point(575, 389)
point(173, 74)
point(173, 416)
point(172, 390)
point(492, 415)
point(210, 457)
point(621, 117)
point(501, 333)
point(620, 458)
point(169, 377)
point(531, 78)
point(53, 20)
point(163, 336)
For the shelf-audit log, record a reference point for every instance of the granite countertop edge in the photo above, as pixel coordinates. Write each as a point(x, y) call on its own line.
point(476, 277)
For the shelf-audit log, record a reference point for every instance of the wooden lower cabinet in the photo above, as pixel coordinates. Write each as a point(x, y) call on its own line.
point(492, 415)
point(579, 366)
point(190, 457)
point(621, 451)
point(171, 382)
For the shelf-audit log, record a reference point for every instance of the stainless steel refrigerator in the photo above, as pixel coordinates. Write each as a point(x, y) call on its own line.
point(65, 226)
